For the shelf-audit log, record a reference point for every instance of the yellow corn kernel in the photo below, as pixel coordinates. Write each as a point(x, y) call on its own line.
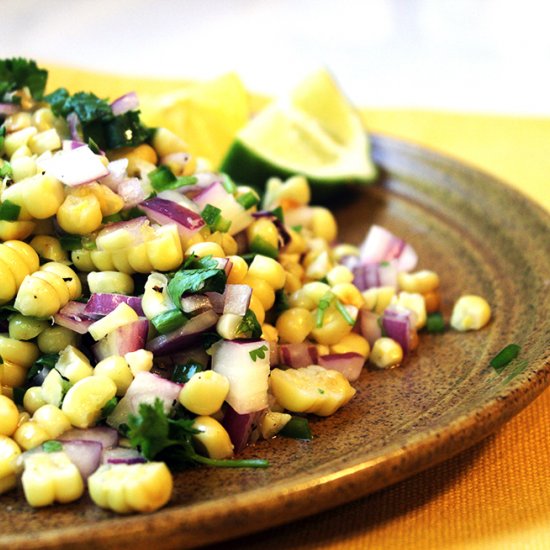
point(386, 353)
point(272, 423)
point(348, 294)
point(126, 488)
point(16, 262)
point(294, 325)
point(311, 389)
point(297, 244)
point(117, 369)
point(16, 230)
point(342, 250)
point(166, 142)
point(339, 274)
point(49, 478)
point(319, 267)
point(48, 140)
point(73, 365)
point(37, 298)
point(413, 302)
point(110, 282)
point(9, 416)
point(165, 252)
point(419, 282)
point(22, 167)
point(17, 139)
point(299, 298)
point(315, 291)
point(205, 393)
point(212, 439)
point(82, 260)
point(102, 260)
point(80, 215)
point(239, 269)
point(29, 435)
point(144, 152)
point(268, 269)
point(51, 419)
point(269, 333)
point(263, 232)
point(323, 224)
point(21, 152)
point(84, 401)
point(470, 312)
point(49, 248)
point(24, 416)
point(33, 399)
point(228, 325)
point(109, 202)
point(225, 241)
point(122, 315)
point(379, 298)
point(334, 328)
point(22, 353)
point(52, 388)
point(68, 275)
point(257, 308)
point(43, 119)
point(205, 249)
point(12, 374)
point(261, 289)
point(140, 360)
point(56, 282)
point(9, 453)
point(352, 342)
point(17, 121)
point(292, 283)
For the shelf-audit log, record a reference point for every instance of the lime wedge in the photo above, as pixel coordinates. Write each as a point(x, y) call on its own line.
point(314, 132)
point(206, 115)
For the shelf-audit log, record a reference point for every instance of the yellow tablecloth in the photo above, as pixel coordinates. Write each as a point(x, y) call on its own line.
point(495, 495)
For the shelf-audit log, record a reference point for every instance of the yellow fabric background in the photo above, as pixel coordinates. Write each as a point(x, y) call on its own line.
point(496, 495)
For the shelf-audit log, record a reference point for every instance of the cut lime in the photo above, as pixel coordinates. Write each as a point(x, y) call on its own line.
point(314, 132)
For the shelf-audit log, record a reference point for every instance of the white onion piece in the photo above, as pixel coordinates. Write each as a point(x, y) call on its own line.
point(76, 166)
point(132, 192)
point(121, 455)
point(118, 172)
point(145, 388)
point(247, 374)
point(237, 299)
point(216, 195)
point(84, 454)
point(368, 325)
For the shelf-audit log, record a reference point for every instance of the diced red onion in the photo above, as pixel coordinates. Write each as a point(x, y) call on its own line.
point(224, 263)
point(74, 124)
point(84, 454)
point(398, 325)
point(239, 426)
point(145, 388)
point(349, 364)
point(125, 103)
point(237, 299)
point(196, 303)
point(164, 211)
point(216, 195)
point(76, 167)
point(102, 303)
point(101, 434)
point(371, 275)
point(122, 340)
point(381, 245)
point(70, 144)
point(132, 192)
point(350, 261)
point(8, 109)
point(247, 374)
point(298, 355)
point(368, 325)
point(185, 336)
point(122, 455)
point(118, 172)
point(217, 301)
point(73, 316)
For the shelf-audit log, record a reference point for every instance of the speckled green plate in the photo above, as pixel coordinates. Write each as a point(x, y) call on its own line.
point(481, 237)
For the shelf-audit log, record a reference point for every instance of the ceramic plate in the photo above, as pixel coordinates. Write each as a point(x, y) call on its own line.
point(481, 237)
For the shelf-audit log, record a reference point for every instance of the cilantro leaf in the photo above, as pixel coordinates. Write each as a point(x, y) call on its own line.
point(201, 275)
point(249, 325)
point(157, 435)
point(17, 73)
point(258, 353)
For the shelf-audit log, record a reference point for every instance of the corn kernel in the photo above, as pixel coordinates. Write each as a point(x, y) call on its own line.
point(352, 342)
point(212, 439)
point(294, 325)
point(470, 313)
point(205, 393)
point(29, 435)
point(9, 416)
point(386, 353)
point(117, 369)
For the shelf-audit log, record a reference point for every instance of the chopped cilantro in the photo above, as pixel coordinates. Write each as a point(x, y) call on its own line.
point(324, 304)
point(259, 245)
point(9, 211)
point(162, 179)
point(248, 200)
point(435, 322)
point(157, 435)
point(258, 353)
point(52, 446)
point(6, 170)
point(48, 360)
point(184, 372)
point(169, 321)
point(109, 407)
point(297, 428)
point(197, 275)
point(505, 356)
point(212, 215)
point(344, 313)
point(17, 73)
point(70, 242)
point(249, 325)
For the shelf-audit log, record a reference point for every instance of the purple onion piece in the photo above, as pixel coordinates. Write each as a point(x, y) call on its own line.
point(125, 103)
point(298, 355)
point(240, 426)
point(349, 364)
point(397, 325)
point(100, 434)
point(102, 303)
point(124, 339)
point(72, 316)
point(237, 299)
point(8, 109)
point(368, 324)
point(217, 300)
point(121, 455)
point(196, 303)
point(84, 454)
point(132, 192)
